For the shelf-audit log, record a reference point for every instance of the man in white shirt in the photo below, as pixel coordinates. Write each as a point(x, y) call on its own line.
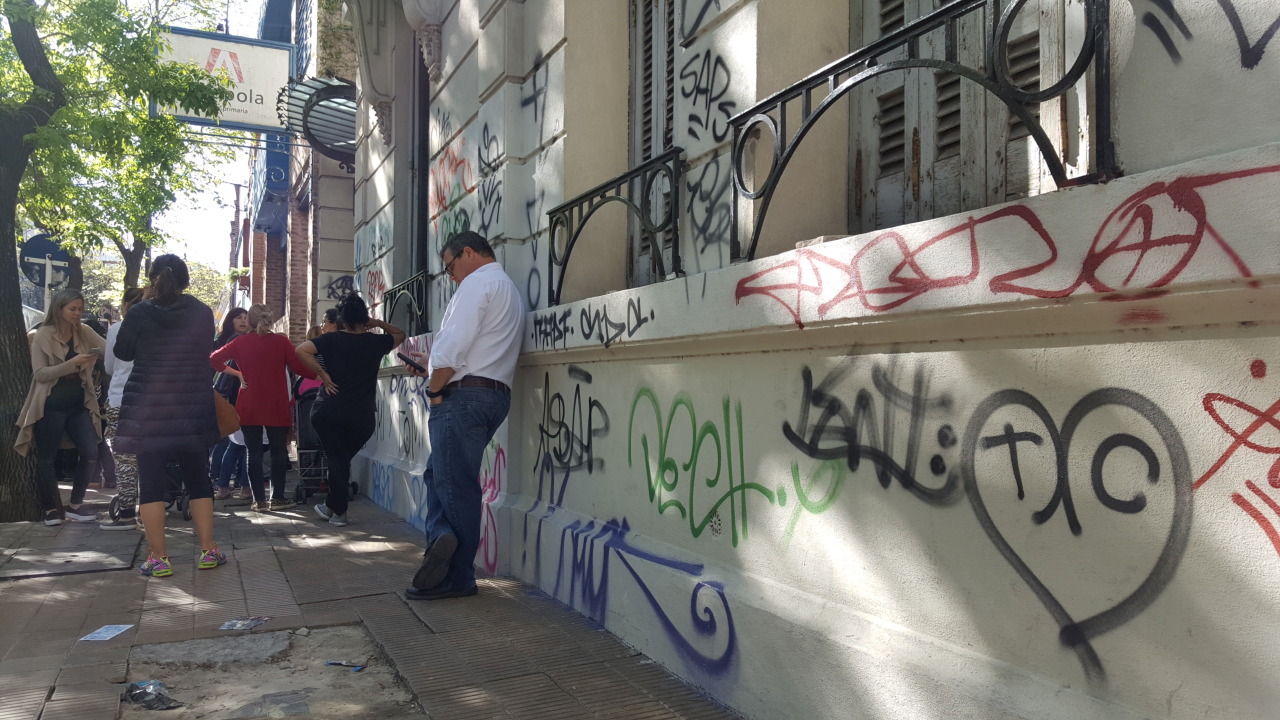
point(472, 365)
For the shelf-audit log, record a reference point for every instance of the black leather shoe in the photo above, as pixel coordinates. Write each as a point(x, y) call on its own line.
point(435, 562)
point(439, 593)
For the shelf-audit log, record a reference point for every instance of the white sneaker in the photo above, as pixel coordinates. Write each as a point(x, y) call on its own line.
point(334, 519)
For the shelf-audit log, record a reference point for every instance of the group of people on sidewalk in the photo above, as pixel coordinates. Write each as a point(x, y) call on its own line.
point(159, 419)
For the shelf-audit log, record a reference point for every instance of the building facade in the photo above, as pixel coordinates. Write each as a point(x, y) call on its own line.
point(883, 359)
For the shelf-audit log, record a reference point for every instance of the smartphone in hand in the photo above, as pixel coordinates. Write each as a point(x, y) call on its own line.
point(411, 362)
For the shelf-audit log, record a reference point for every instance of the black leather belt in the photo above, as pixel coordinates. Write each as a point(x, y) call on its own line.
point(477, 381)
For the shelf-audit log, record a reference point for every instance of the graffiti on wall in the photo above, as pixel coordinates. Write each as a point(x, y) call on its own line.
point(1009, 442)
point(710, 214)
point(340, 287)
point(553, 328)
point(1250, 428)
point(710, 455)
point(1176, 478)
point(694, 14)
point(569, 428)
point(1143, 245)
point(1250, 51)
point(704, 82)
point(584, 556)
point(451, 181)
point(373, 245)
point(493, 473)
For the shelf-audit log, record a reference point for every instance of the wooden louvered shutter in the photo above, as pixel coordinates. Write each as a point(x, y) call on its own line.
point(654, 88)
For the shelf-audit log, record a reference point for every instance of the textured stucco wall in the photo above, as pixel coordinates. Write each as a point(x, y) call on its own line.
point(1011, 463)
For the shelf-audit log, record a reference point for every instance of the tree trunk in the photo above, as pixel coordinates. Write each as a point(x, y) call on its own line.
point(132, 261)
point(17, 486)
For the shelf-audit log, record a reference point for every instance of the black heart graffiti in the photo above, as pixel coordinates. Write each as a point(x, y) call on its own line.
point(1076, 634)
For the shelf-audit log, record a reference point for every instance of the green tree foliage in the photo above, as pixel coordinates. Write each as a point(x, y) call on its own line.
point(103, 282)
point(81, 156)
point(208, 284)
point(104, 167)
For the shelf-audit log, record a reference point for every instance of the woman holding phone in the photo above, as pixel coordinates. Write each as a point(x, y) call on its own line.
point(62, 400)
point(344, 412)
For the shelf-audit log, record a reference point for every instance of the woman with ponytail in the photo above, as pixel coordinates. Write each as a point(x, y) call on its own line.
point(166, 410)
point(343, 414)
point(264, 403)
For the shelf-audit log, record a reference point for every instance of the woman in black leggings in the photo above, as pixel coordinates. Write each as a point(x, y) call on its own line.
point(167, 412)
point(343, 414)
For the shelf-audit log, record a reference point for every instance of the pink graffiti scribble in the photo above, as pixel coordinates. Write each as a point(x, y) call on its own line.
point(1144, 244)
point(375, 286)
point(451, 179)
point(491, 482)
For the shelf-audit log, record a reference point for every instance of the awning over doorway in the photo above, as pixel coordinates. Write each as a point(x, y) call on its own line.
point(323, 110)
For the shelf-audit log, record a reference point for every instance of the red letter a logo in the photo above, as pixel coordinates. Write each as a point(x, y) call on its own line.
point(230, 61)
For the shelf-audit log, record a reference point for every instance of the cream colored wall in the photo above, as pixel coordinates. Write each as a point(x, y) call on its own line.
point(596, 108)
point(792, 480)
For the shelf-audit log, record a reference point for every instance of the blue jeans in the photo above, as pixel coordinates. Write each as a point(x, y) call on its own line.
point(76, 423)
point(232, 463)
point(460, 429)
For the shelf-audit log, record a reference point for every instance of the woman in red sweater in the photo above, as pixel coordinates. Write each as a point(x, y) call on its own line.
point(262, 357)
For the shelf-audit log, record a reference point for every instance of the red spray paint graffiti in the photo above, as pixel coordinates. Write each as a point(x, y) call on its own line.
point(491, 482)
point(451, 179)
point(1144, 244)
point(1260, 421)
point(374, 287)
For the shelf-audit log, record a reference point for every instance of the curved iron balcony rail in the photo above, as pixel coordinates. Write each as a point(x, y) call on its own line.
point(414, 292)
point(634, 189)
point(836, 80)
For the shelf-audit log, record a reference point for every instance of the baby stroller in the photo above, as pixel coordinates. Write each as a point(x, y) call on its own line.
point(175, 497)
point(313, 471)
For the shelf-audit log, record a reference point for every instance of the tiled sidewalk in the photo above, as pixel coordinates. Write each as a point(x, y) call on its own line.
point(510, 652)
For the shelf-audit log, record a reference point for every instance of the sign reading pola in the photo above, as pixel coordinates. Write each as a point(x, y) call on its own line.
point(258, 69)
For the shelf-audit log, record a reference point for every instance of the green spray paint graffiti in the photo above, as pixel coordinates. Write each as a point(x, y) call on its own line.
point(681, 470)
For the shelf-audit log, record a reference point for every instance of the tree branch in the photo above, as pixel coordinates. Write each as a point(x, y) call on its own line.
point(49, 95)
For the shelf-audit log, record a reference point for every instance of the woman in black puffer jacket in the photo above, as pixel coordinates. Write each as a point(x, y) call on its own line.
point(167, 410)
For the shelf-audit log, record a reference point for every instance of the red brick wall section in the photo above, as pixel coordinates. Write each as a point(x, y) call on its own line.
point(258, 263)
point(301, 288)
point(277, 275)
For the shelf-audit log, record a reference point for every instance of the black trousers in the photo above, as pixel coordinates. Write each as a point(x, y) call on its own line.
point(78, 424)
point(342, 434)
point(279, 439)
point(154, 481)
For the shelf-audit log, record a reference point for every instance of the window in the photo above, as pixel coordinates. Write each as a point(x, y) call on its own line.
point(927, 143)
point(653, 88)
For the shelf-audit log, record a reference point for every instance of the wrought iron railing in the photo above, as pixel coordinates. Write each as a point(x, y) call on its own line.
point(836, 80)
point(635, 189)
point(413, 292)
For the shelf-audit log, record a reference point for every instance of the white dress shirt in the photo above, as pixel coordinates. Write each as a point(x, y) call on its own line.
point(118, 369)
point(481, 331)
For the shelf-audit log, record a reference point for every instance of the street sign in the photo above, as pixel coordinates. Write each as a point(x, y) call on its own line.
point(43, 258)
point(45, 263)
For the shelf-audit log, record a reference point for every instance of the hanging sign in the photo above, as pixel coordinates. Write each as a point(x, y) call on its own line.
point(258, 69)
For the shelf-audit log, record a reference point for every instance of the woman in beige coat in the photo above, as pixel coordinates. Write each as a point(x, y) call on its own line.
point(62, 401)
